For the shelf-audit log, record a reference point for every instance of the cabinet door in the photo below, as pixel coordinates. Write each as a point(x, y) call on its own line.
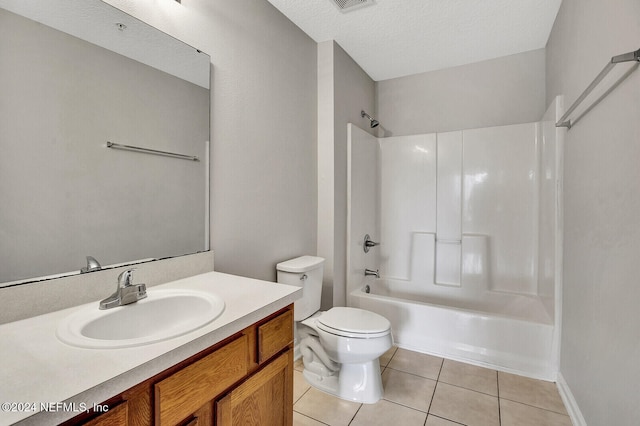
point(265, 399)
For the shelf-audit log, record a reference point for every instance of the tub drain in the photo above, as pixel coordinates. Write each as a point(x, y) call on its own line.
point(367, 289)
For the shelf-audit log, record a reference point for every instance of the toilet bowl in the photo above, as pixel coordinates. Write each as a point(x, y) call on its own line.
point(353, 340)
point(339, 347)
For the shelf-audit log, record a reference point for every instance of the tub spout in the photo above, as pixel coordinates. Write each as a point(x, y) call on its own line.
point(375, 273)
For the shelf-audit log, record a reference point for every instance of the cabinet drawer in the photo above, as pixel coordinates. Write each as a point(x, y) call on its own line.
point(275, 335)
point(182, 393)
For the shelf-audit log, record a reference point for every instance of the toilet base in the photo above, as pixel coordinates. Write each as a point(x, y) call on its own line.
point(359, 382)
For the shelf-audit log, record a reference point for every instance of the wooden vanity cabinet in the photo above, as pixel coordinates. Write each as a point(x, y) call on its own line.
point(246, 379)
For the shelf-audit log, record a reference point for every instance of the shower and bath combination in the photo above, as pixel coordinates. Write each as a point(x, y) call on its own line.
point(374, 122)
point(440, 282)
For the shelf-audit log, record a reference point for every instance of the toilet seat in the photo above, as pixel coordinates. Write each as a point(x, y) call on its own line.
point(354, 323)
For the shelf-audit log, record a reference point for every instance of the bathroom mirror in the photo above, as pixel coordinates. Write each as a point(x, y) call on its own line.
point(75, 75)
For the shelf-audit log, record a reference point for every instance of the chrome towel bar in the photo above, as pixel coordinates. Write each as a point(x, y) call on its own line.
point(565, 121)
point(151, 151)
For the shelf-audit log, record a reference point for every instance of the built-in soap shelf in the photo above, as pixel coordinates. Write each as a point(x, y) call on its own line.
point(468, 261)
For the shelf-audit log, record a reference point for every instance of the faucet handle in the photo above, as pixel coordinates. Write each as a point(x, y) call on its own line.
point(368, 243)
point(125, 279)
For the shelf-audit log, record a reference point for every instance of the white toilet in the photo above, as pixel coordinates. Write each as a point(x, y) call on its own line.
point(340, 347)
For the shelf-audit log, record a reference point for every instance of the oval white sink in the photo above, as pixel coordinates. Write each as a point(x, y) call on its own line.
point(162, 315)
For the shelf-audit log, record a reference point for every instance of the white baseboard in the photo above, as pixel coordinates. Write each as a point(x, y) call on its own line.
point(570, 402)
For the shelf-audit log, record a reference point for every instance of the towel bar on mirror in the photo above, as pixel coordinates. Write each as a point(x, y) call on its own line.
point(151, 151)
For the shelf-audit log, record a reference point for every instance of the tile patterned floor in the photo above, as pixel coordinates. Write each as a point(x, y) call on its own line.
point(429, 391)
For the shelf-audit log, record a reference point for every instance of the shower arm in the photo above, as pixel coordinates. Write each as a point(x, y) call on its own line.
point(372, 121)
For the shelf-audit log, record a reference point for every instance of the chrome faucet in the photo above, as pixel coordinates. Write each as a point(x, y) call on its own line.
point(126, 293)
point(375, 273)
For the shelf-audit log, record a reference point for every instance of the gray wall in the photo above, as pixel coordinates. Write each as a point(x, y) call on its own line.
point(352, 91)
point(601, 319)
point(263, 127)
point(508, 90)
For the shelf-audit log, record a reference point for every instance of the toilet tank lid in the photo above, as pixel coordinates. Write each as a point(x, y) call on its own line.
point(300, 264)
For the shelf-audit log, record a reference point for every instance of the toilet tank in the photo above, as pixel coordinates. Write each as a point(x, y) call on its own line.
point(305, 272)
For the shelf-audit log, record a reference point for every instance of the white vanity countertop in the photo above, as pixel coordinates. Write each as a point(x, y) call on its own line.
point(37, 369)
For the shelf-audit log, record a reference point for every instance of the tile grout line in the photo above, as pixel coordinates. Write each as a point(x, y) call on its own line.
point(412, 374)
point(527, 404)
point(435, 388)
point(355, 414)
point(485, 394)
point(440, 370)
point(534, 406)
point(466, 388)
point(415, 375)
point(315, 420)
point(303, 394)
point(403, 405)
point(444, 418)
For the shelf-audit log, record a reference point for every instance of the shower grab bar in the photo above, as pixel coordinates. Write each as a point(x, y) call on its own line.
point(151, 151)
point(625, 57)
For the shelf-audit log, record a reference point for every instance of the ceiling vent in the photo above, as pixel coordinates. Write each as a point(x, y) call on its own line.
point(345, 6)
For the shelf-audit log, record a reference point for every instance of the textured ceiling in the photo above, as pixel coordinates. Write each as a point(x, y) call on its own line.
point(394, 38)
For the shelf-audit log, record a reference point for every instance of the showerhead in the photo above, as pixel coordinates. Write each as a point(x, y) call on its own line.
point(374, 122)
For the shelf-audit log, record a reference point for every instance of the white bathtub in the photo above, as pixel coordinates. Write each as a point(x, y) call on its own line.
point(507, 332)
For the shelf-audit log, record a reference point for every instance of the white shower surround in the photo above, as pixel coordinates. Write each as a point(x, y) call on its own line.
point(505, 310)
